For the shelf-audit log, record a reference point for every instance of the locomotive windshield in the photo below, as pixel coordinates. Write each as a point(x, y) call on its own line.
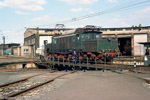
point(91, 36)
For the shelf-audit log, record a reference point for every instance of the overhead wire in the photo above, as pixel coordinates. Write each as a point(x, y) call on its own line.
point(130, 6)
point(122, 7)
point(113, 10)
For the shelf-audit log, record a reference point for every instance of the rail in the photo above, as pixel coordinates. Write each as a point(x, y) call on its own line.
point(15, 94)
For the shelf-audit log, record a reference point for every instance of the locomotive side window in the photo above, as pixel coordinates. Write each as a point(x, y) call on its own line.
point(54, 41)
point(82, 36)
point(73, 38)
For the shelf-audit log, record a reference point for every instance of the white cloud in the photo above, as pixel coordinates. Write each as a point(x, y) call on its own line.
point(76, 9)
point(41, 18)
point(121, 21)
point(40, 21)
point(21, 13)
point(112, 0)
point(32, 5)
point(91, 12)
point(80, 1)
point(1, 4)
point(82, 9)
point(145, 10)
point(143, 13)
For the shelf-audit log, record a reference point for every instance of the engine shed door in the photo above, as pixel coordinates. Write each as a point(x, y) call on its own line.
point(139, 48)
point(125, 46)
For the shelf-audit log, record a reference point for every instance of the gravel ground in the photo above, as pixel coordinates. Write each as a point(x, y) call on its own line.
point(6, 77)
point(96, 85)
point(38, 94)
point(30, 82)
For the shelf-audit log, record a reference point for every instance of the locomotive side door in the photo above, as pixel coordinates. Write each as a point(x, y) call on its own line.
point(76, 42)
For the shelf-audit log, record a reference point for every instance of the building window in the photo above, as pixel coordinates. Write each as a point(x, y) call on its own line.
point(26, 51)
point(45, 42)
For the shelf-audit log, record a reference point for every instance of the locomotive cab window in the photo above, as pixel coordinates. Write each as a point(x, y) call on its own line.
point(92, 36)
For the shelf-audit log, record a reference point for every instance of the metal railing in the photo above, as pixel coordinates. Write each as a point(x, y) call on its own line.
point(85, 63)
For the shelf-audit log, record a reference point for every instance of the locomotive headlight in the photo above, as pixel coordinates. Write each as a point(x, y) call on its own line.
point(78, 38)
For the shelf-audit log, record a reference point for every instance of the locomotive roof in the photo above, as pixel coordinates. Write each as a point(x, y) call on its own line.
point(78, 31)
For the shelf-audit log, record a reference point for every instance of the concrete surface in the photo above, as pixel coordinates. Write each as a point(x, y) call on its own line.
point(96, 85)
point(5, 60)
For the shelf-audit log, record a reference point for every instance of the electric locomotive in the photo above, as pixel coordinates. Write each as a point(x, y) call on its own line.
point(87, 42)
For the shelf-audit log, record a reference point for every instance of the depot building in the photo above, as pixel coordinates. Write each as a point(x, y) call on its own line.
point(129, 39)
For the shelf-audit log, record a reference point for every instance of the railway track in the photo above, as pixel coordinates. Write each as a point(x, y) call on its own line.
point(11, 90)
point(21, 80)
point(11, 86)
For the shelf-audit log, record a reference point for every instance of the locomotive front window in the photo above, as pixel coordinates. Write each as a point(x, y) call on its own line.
point(97, 36)
point(86, 36)
point(92, 36)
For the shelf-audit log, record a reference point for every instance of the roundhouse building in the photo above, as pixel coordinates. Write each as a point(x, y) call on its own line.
point(129, 38)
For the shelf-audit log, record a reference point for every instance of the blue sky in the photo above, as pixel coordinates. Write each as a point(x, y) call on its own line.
point(15, 15)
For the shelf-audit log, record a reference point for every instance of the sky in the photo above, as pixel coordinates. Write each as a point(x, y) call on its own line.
point(18, 15)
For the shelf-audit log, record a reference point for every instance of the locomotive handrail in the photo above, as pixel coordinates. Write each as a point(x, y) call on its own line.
point(70, 62)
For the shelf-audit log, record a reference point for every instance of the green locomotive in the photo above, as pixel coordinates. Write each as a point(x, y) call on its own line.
point(87, 42)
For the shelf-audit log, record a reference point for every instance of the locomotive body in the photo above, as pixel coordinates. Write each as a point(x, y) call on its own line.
point(87, 42)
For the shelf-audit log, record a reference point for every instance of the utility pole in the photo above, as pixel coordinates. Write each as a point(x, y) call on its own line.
point(3, 45)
